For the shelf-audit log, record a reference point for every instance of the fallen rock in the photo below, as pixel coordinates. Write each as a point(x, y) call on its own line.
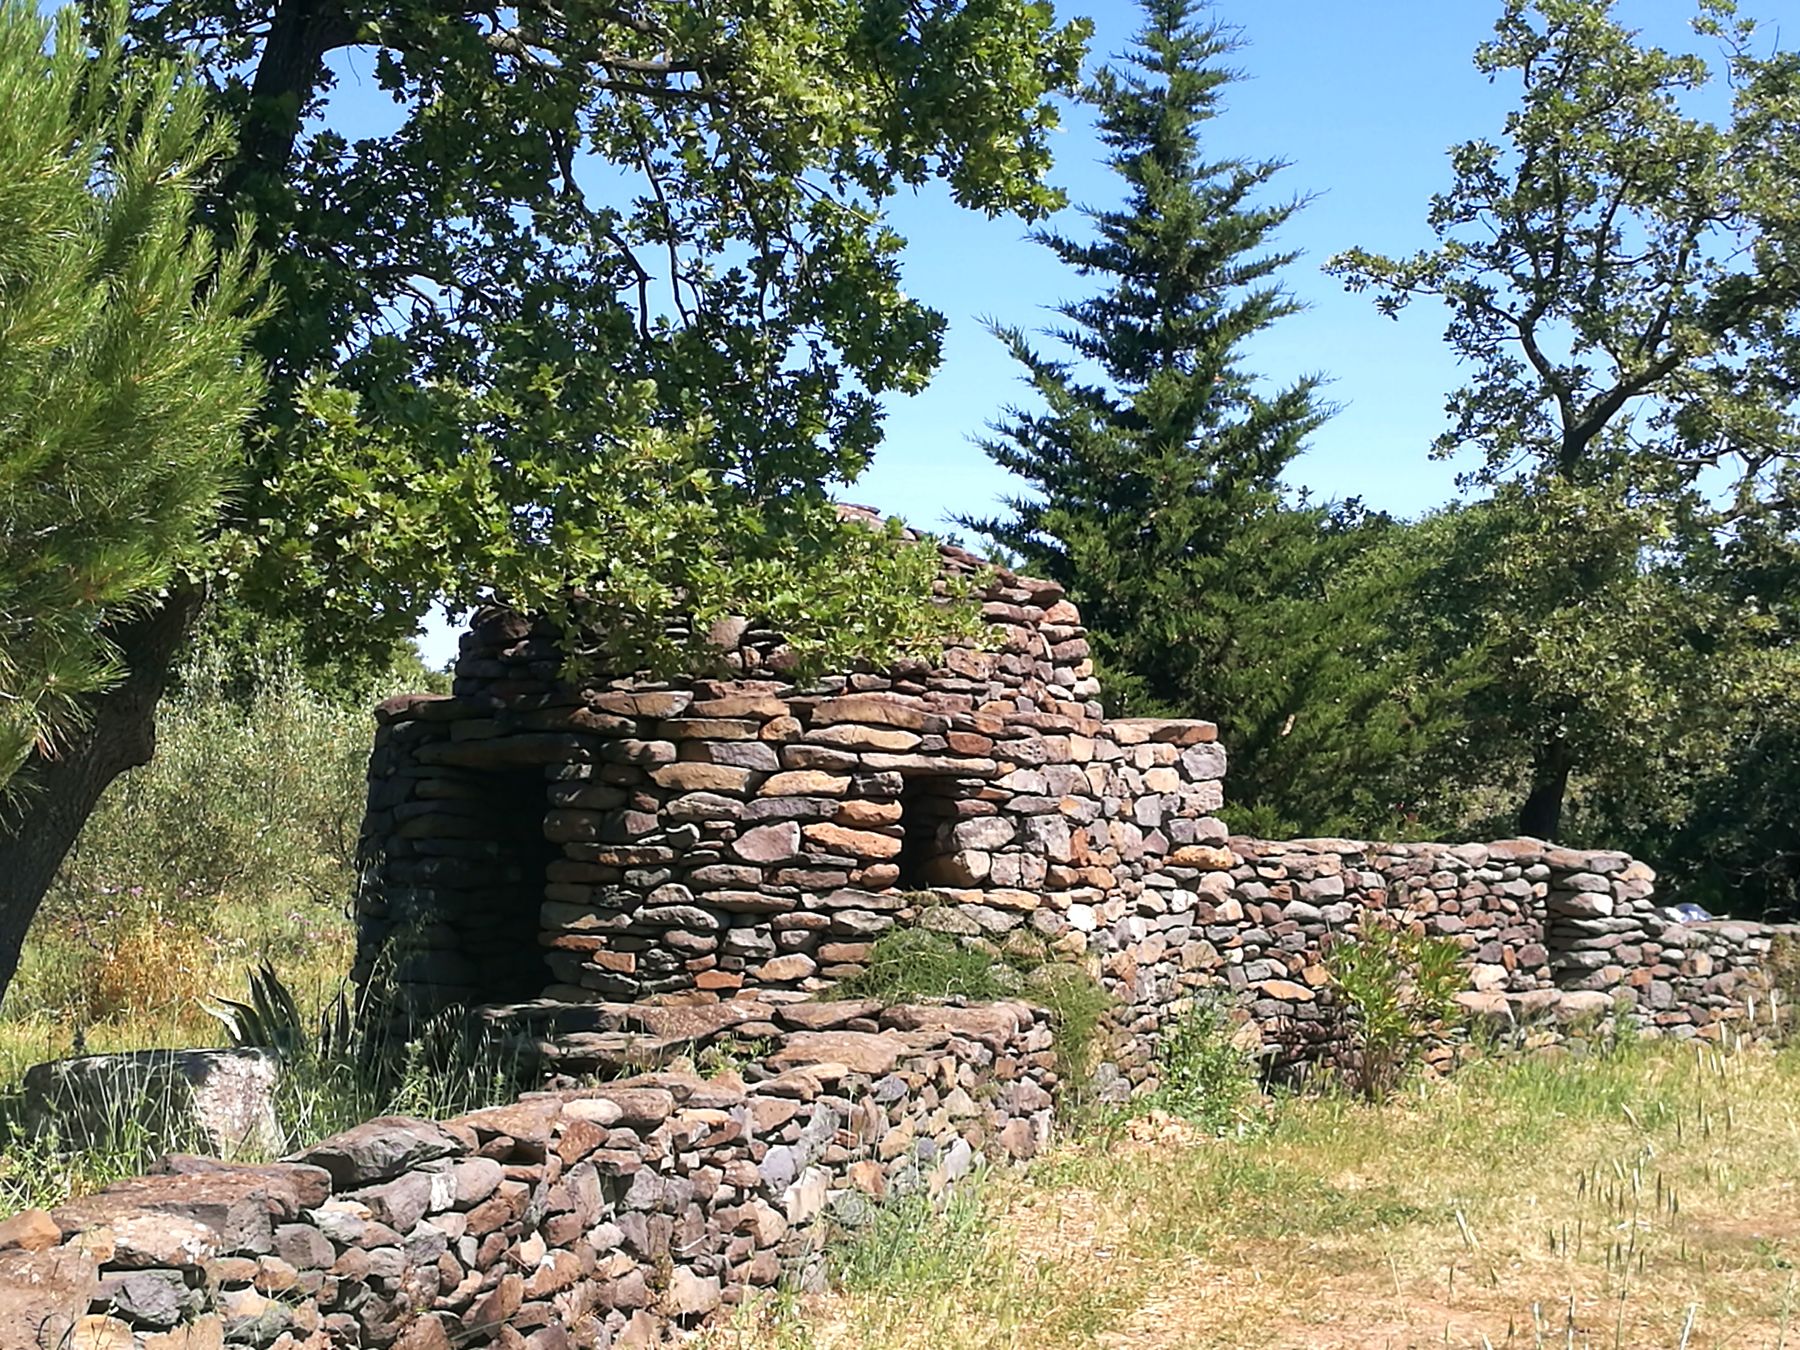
point(152, 1298)
point(994, 1024)
point(825, 1016)
point(311, 1185)
point(238, 1206)
point(691, 1295)
point(379, 1149)
point(220, 1101)
point(29, 1230)
point(99, 1332)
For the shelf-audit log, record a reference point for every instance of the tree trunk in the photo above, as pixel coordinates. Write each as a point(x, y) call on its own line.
point(60, 792)
point(1541, 815)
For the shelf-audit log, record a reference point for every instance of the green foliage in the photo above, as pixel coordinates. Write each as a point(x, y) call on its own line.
point(914, 963)
point(606, 315)
point(340, 1067)
point(444, 1070)
point(1079, 1009)
point(271, 1019)
point(610, 305)
point(237, 649)
point(124, 1134)
point(324, 1086)
point(237, 839)
point(1622, 284)
point(1202, 1075)
point(255, 797)
point(123, 374)
point(914, 1245)
point(1395, 989)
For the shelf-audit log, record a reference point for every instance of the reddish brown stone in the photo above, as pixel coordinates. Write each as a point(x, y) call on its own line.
point(768, 843)
point(29, 1230)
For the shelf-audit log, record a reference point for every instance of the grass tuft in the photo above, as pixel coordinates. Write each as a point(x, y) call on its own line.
point(915, 963)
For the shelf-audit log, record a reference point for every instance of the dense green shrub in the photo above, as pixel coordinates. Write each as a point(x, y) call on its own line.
point(250, 797)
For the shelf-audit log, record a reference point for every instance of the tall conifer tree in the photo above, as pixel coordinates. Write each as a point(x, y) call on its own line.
point(1156, 458)
point(125, 377)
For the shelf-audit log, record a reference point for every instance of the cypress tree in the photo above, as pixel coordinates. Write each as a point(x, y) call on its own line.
point(1155, 460)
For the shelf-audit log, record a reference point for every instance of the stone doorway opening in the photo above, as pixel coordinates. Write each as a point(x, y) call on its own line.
point(501, 939)
point(928, 815)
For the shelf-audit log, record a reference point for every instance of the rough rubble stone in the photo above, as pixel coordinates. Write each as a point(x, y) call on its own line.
point(43, 1295)
point(379, 1149)
point(223, 1100)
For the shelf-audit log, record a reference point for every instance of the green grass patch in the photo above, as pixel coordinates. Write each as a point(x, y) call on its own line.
point(909, 964)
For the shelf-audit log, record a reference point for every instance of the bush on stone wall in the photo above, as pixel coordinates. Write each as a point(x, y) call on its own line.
point(1394, 989)
point(915, 963)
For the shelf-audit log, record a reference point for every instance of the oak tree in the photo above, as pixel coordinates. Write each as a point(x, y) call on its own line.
point(1623, 281)
point(606, 301)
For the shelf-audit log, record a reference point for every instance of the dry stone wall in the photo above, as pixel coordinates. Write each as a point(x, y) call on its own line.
point(582, 1217)
point(613, 840)
point(1549, 935)
point(616, 873)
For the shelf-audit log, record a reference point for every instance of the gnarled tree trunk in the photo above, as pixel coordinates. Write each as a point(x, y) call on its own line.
point(1541, 815)
point(63, 790)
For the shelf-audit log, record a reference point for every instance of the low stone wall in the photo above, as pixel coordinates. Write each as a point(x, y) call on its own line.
point(1548, 933)
point(587, 1216)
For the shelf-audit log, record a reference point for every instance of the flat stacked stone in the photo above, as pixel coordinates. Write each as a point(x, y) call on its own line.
point(1549, 935)
point(588, 1215)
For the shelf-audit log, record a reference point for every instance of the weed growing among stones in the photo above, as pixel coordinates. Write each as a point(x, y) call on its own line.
point(1203, 1076)
point(1394, 989)
point(906, 964)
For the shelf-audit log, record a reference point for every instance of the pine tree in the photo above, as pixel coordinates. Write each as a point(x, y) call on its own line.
point(123, 376)
point(1157, 496)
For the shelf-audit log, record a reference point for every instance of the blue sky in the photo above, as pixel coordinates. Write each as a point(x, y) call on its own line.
point(1363, 101)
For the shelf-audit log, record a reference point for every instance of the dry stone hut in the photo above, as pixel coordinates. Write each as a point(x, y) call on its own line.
point(619, 838)
point(614, 841)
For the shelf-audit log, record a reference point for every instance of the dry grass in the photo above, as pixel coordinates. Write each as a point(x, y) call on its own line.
point(143, 983)
point(234, 844)
point(1646, 1198)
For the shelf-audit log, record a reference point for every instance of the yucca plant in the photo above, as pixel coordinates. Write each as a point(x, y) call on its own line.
point(271, 1019)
